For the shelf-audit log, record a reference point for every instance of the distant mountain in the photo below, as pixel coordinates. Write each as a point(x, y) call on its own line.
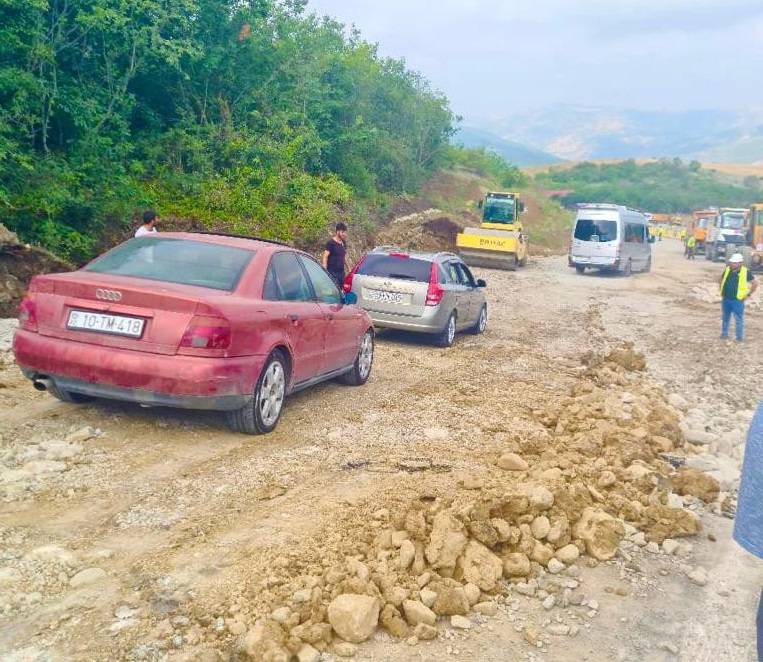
point(579, 132)
point(513, 152)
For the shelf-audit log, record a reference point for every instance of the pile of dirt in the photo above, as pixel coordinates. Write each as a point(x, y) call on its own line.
point(18, 264)
point(589, 480)
point(430, 230)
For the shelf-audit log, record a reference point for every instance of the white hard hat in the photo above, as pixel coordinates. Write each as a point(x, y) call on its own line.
point(736, 258)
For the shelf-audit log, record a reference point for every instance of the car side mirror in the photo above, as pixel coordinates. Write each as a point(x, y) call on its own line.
point(349, 298)
point(481, 283)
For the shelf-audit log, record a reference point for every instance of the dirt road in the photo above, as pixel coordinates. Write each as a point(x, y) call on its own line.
point(142, 534)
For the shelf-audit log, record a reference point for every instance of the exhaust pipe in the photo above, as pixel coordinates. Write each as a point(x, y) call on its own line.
point(41, 384)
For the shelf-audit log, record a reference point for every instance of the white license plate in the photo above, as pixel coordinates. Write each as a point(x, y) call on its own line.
point(384, 297)
point(100, 323)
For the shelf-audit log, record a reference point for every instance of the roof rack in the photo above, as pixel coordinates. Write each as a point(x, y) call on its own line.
point(243, 236)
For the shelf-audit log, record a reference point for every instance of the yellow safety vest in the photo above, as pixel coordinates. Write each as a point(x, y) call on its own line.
point(741, 285)
point(691, 242)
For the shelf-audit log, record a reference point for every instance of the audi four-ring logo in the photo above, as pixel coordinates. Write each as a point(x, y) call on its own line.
point(108, 295)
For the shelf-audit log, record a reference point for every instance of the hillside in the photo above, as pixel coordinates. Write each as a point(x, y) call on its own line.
point(581, 132)
point(667, 185)
point(513, 152)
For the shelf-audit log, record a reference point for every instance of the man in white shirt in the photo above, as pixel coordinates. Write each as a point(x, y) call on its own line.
point(149, 223)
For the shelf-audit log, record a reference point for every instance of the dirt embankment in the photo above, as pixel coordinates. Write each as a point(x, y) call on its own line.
point(18, 264)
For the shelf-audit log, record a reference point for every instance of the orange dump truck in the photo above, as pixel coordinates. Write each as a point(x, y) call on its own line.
point(700, 221)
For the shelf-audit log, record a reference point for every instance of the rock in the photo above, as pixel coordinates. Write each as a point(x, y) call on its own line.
point(393, 622)
point(483, 531)
point(473, 593)
point(542, 553)
point(451, 600)
point(302, 596)
point(555, 566)
point(502, 528)
point(512, 462)
point(639, 539)
point(549, 602)
point(86, 577)
point(281, 615)
point(236, 628)
point(600, 532)
point(653, 548)
point(526, 588)
point(555, 473)
point(486, 608)
point(698, 576)
point(606, 479)
point(427, 597)
point(479, 566)
point(559, 629)
point(531, 634)
point(407, 554)
point(637, 471)
point(540, 497)
point(354, 617)
point(540, 527)
point(664, 522)
point(679, 402)
point(516, 564)
point(699, 437)
point(345, 649)
point(399, 537)
point(472, 483)
point(690, 482)
point(308, 654)
point(52, 553)
point(417, 612)
point(559, 534)
point(568, 554)
point(670, 546)
point(82, 435)
point(260, 644)
point(425, 632)
point(446, 542)
point(460, 623)
point(312, 633)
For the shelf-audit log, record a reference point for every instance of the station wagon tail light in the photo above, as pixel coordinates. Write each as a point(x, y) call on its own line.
point(28, 314)
point(434, 292)
point(347, 284)
point(206, 332)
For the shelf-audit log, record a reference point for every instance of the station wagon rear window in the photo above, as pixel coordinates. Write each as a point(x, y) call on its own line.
point(393, 266)
point(590, 230)
point(176, 261)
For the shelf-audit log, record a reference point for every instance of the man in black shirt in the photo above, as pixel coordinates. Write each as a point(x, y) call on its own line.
point(737, 285)
point(333, 259)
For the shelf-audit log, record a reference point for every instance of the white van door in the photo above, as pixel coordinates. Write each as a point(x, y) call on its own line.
point(635, 245)
point(594, 241)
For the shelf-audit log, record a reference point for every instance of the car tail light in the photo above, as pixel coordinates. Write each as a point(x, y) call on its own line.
point(347, 284)
point(28, 314)
point(206, 332)
point(402, 256)
point(434, 292)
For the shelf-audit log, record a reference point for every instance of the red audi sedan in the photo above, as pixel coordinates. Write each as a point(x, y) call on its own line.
point(194, 321)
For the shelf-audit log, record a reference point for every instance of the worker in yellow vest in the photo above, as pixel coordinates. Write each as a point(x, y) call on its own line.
point(737, 285)
point(691, 246)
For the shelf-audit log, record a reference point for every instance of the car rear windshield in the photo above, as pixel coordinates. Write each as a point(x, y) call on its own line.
point(176, 261)
point(393, 266)
point(590, 230)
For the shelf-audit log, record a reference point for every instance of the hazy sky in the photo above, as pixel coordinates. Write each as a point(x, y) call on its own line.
point(492, 57)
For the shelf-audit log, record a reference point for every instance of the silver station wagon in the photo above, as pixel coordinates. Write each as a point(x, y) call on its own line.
point(431, 293)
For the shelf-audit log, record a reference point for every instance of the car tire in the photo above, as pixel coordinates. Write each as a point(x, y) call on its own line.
point(67, 396)
point(481, 324)
point(364, 361)
point(262, 414)
point(648, 266)
point(446, 337)
point(580, 269)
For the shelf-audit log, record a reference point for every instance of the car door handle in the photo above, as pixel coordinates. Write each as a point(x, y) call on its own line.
point(294, 318)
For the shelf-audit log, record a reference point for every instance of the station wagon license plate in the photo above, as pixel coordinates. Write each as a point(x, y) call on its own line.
point(117, 325)
point(384, 297)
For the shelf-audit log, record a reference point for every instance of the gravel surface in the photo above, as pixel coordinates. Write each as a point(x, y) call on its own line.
point(129, 533)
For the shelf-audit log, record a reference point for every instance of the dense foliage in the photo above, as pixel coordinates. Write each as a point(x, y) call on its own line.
point(660, 186)
point(485, 163)
point(250, 115)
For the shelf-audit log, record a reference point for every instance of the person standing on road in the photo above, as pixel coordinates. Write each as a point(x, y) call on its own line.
point(737, 285)
point(691, 244)
point(149, 223)
point(334, 254)
point(748, 523)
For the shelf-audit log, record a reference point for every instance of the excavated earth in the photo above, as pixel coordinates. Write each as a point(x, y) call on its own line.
point(560, 488)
